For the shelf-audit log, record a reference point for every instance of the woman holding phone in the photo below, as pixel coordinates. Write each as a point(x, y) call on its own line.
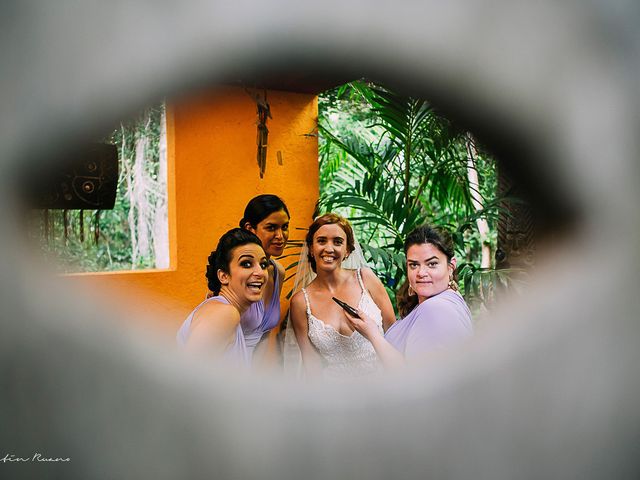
point(328, 344)
point(435, 314)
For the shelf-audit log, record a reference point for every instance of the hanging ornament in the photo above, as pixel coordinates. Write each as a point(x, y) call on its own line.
point(264, 112)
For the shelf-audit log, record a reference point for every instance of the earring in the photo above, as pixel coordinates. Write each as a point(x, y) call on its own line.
point(411, 292)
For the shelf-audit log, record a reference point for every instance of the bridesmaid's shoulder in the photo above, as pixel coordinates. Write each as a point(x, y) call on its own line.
point(279, 268)
point(445, 301)
point(214, 309)
point(214, 305)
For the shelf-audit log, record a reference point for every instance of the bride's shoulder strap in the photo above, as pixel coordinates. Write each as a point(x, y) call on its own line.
point(359, 276)
point(306, 301)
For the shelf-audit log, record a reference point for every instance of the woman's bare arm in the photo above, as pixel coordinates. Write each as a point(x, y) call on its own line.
point(379, 296)
point(213, 328)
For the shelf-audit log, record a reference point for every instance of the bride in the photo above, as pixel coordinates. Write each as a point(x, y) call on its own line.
point(328, 345)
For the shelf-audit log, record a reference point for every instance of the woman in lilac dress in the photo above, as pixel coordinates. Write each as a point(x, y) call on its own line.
point(267, 217)
point(435, 314)
point(237, 276)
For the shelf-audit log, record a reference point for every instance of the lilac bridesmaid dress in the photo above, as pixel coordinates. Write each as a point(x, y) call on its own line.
point(254, 323)
point(237, 353)
point(439, 321)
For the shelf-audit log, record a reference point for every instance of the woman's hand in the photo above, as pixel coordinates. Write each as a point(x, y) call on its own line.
point(365, 325)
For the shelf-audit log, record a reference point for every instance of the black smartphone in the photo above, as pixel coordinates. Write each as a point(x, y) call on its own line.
point(347, 308)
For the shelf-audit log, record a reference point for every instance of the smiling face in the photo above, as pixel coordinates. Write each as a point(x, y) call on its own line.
point(428, 270)
point(329, 247)
point(247, 274)
point(273, 232)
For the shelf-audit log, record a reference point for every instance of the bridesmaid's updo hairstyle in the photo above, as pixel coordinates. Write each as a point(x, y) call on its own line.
point(220, 258)
point(439, 238)
point(261, 207)
point(329, 219)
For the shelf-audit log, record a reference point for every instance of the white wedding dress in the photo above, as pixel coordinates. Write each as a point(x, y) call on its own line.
point(345, 356)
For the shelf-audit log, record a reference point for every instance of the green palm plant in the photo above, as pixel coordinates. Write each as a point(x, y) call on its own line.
point(415, 171)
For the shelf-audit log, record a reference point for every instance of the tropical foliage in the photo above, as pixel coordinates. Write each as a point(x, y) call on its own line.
point(389, 163)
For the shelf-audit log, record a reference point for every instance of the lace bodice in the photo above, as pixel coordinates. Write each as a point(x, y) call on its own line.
point(345, 356)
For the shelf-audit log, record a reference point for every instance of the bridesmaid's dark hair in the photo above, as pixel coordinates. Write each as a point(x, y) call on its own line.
point(439, 238)
point(220, 258)
point(261, 207)
point(329, 219)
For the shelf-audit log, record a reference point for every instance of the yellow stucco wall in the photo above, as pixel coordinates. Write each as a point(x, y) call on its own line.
point(213, 172)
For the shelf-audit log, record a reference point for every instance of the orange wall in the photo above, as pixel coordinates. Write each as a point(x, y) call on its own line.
point(212, 154)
